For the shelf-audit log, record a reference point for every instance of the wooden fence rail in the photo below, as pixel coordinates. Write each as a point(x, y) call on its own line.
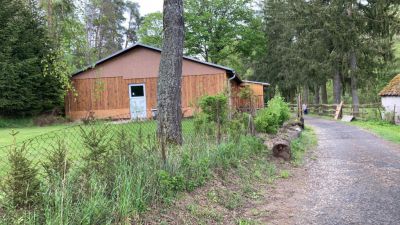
point(366, 111)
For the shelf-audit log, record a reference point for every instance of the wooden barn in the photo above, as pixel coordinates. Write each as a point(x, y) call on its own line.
point(124, 85)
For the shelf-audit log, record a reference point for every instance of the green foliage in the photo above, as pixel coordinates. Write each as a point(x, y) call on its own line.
point(212, 32)
point(151, 30)
point(237, 127)
point(22, 186)
point(6, 122)
point(285, 174)
point(57, 164)
point(123, 177)
point(384, 129)
point(307, 140)
point(202, 124)
point(24, 89)
point(246, 93)
point(105, 21)
point(308, 41)
point(215, 107)
point(228, 32)
point(271, 118)
point(98, 145)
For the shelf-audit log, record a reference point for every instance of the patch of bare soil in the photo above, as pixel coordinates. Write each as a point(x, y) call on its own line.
point(263, 190)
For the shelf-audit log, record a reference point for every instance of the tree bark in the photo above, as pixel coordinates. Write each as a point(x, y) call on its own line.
point(324, 94)
point(337, 86)
point(353, 70)
point(170, 75)
point(305, 94)
point(316, 95)
point(354, 91)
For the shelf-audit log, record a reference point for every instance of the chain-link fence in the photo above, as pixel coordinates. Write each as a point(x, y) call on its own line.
point(141, 133)
point(117, 166)
point(74, 138)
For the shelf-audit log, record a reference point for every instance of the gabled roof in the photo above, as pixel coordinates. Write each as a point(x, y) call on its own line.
point(230, 71)
point(393, 88)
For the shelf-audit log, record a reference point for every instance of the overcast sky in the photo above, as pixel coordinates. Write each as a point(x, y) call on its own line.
point(149, 6)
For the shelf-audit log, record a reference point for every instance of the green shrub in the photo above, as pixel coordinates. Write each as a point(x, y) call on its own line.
point(271, 118)
point(98, 145)
point(215, 108)
point(57, 164)
point(202, 124)
point(21, 187)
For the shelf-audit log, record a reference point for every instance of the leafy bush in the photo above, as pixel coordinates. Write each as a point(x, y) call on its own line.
point(202, 124)
point(215, 107)
point(271, 118)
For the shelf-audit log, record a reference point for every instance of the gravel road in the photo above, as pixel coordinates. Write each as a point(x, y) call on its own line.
point(355, 178)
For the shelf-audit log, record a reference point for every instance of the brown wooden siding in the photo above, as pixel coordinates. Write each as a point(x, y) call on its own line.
point(108, 97)
point(245, 104)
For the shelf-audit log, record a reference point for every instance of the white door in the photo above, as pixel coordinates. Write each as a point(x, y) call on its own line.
point(137, 95)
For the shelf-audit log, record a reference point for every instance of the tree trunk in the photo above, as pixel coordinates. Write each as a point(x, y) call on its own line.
point(353, 69)
point(170, 75)
point(324, 94)
point(316, 95)
point(305, 94)
point(354, 91)
point(337, 86)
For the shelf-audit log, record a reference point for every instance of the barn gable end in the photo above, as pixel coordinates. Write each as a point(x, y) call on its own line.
point(142, 62)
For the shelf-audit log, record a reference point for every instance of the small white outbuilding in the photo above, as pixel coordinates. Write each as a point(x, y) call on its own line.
point(391, 98)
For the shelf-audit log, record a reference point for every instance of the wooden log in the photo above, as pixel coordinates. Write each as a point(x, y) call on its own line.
point(281, 149)
point(281, 144)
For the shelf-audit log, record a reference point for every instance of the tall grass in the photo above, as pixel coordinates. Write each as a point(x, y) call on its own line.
point(307, 140)
point(123, 177)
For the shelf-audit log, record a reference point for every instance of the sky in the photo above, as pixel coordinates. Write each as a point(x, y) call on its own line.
point(149, 6)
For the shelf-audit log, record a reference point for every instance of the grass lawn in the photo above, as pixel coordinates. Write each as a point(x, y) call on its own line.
point(25, 133)
point(385, 130)
point(43, 140)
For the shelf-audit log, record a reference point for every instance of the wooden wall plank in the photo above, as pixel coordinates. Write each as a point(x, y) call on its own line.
point(115, 95)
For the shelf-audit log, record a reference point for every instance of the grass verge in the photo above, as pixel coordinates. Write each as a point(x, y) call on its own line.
point(383, 129)
point(307, 140)
point(243, 195)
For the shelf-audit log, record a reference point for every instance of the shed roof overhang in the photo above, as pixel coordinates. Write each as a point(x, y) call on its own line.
point(256, 82)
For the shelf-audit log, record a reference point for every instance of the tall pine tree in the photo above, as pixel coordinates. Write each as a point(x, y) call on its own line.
point(24, 89)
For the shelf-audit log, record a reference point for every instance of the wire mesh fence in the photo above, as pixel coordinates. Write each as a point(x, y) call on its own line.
point(74, 139)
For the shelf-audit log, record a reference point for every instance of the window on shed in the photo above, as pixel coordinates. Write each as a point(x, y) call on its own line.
point(137, 91)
